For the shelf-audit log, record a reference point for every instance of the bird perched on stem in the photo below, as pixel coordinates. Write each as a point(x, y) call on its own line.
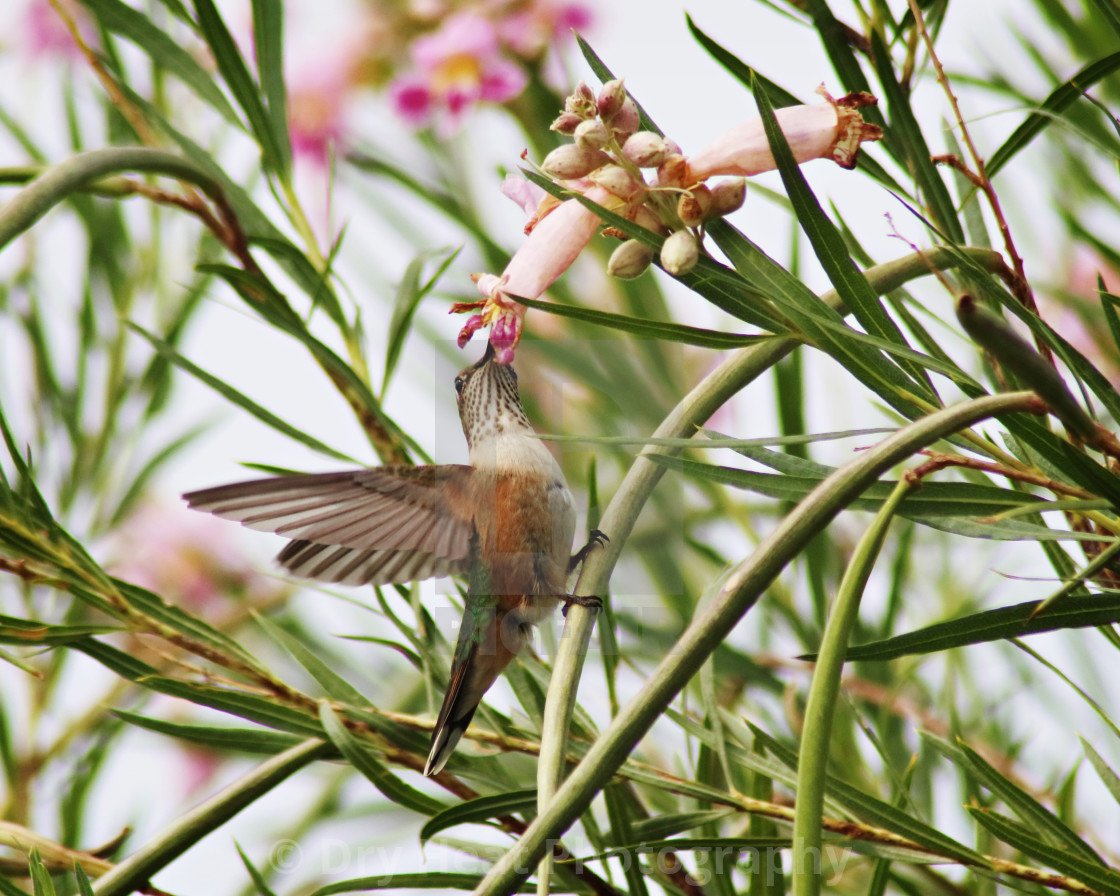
point(506, 520)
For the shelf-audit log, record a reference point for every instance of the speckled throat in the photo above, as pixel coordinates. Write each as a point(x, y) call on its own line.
point(489, 404)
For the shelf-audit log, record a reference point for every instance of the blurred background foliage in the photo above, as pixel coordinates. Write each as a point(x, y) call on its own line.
point(152, 658)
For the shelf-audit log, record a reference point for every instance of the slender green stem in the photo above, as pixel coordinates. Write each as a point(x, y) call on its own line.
point(57, 182)
point(736, 372)
point(812, 761)
point(714, 622)
point(188, 829)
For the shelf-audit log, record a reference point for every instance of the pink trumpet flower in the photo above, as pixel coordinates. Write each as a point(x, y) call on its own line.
point(557, 233)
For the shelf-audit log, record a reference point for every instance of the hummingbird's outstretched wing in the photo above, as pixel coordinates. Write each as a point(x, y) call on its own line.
point(373, 526)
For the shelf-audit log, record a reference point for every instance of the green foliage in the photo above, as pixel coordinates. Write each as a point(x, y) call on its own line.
point(790, 695)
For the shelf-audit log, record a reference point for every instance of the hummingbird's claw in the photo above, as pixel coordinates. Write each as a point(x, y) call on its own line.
point(589, 602)
point(595, 539)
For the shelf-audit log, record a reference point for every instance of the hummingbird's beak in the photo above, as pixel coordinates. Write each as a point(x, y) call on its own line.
point(488, 355)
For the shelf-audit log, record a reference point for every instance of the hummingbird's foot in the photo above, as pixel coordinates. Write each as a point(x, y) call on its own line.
point(589, 602)
point(595, 539)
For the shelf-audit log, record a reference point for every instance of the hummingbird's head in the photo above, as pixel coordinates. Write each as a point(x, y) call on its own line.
point(489, 405)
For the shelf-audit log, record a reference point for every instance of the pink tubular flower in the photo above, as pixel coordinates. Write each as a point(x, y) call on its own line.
point(547, 252)
point(609, 171)
point(456, 67)
point(830, 130)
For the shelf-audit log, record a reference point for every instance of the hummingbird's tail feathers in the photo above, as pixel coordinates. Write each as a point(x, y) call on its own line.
point(489, 637)
point(376, 526)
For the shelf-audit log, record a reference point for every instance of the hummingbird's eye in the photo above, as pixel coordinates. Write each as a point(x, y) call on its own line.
point(460, 381)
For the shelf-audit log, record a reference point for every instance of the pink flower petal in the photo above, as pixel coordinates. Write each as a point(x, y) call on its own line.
point(525, 194)
point(552, 246)
point(466, 34)
point(412, 99)
point(501, 81)
point(831, 130)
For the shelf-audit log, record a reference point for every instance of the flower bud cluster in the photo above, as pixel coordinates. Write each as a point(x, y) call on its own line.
point(609, 151)
point(645, 178)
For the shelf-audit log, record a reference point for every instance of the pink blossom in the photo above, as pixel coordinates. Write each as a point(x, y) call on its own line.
point(47, 36)
point(832, 130)
point(316, 117)
point(530, 32)
point(457, 67)
point(525, 194)
point(547, 252)
point(184, 557)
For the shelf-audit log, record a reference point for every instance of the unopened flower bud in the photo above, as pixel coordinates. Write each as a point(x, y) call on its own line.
point(728, 196)
point(592, 134)
point(611, 98)
point(566, 123)
point(581, 102)
point(647, 218)
point(645, 149)
point(627, 121)
point(680, 252)
point(619, 182)
point(630, 260)
point(693, 206)
point(672, 171)
point(567, 162)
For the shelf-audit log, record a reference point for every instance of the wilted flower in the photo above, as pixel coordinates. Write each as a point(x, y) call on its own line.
point(456, 67)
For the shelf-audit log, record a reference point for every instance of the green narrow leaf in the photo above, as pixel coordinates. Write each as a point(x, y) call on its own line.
point(875, 811)
point(1104, 771)
point(164, 51)
point(993, 625)
point(621, 809)
point(361, 755)
point(240, 82)
point(1044, 823)
point(244, 740)
point(40, 876)
point(427, 880)
point(907, 142)
point(779, 97)
point(85, 888)
point(1109, 304)
point(335, 686)
point(1060, 99)
point(244, 705)
point(1101, 878)
point(242, 401)
point(268, 40)
point(410, 292)
point(828, 245)
point(480, 810)
point(645, 329)
point(258, 879)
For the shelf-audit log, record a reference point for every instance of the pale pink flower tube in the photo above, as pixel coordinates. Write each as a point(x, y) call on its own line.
point(549, 250)
point(830, 130)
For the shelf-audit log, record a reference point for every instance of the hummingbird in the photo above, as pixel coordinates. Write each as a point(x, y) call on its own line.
point(506, 520)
